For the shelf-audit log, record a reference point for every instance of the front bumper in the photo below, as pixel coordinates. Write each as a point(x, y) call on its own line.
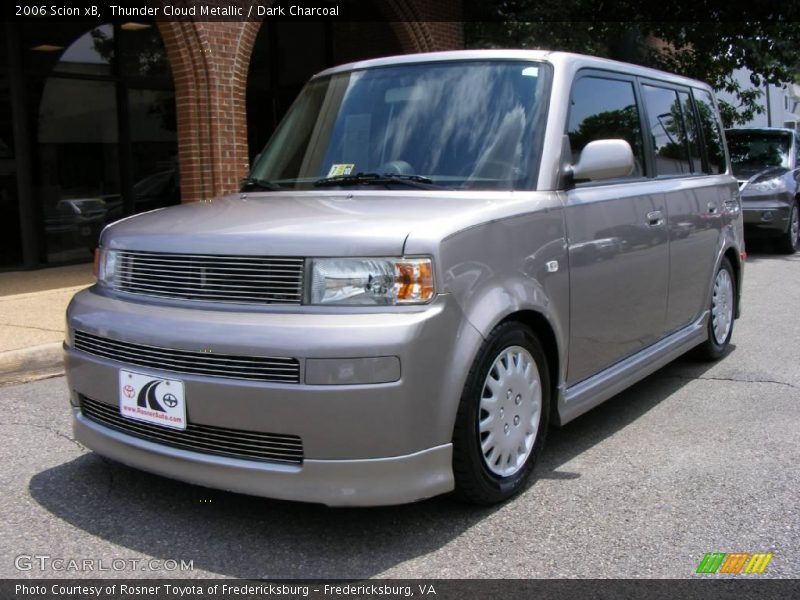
point(371, 482)
point(768, 215)
point(367, 444)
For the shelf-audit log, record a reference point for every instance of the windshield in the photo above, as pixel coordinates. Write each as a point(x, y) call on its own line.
point(463, 125)
point(759, 149)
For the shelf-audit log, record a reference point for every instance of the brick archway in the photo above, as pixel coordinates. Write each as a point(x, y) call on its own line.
point(421, 26)
point(210, 62)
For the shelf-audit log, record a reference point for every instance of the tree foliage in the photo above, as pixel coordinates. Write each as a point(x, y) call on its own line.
point(707, 40)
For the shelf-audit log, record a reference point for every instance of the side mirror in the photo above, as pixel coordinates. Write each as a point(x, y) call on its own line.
point(604, 159)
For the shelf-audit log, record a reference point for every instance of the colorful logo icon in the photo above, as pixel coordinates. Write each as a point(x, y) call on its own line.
point(734, 562)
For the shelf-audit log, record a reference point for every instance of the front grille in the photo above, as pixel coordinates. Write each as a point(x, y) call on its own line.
point(212, 278)
point(256, 368)
point(236, 443)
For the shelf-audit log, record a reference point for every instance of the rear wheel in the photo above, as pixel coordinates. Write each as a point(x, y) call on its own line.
point(722, 312)
point(502, 417)
point(789, 241)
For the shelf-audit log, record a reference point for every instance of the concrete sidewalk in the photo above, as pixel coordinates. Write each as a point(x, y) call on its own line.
point(32, 307)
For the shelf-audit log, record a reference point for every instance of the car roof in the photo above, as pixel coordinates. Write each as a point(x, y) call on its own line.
point(558, 59)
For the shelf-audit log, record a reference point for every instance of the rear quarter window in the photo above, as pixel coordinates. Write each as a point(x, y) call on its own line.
point(712, 131)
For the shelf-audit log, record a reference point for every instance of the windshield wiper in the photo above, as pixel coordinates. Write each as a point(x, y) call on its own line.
point(417, 181)
point(261, 184)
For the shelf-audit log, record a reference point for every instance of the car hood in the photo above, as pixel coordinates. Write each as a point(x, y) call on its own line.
point(293, 224)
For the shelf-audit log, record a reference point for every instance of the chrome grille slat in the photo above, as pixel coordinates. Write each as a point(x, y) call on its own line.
point(208, 439)
point(211, 297)
point(213, 278)
point(218, 362)
point(133, 356)
point(257, 435)
point(253, 368)
point(285, 270)
point(189, 276)
point(221, 258)
point(216, 290)
point(264, 441)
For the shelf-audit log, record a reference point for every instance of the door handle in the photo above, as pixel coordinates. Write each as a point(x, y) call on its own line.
point(712, 207)
point(655, 218)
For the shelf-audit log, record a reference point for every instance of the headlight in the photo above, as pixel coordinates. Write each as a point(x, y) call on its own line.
point(105, 265)
point(371, 281)
point(770, 185)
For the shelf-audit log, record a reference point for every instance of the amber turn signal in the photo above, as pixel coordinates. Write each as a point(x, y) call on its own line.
point(414, 280)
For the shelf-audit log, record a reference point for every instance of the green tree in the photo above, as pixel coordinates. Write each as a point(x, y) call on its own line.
point(706, 40)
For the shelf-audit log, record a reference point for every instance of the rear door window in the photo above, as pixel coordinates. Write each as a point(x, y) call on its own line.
point(666, 130)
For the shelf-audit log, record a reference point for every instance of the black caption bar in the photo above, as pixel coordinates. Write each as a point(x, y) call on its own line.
point(777, 11)
point(648, 589)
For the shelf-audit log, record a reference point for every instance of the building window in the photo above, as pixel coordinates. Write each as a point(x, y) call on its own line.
point(100, 131)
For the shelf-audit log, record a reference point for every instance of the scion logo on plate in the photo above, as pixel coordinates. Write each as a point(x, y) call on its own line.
point(152, 399)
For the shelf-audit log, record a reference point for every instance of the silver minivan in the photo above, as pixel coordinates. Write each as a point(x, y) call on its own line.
point(435, 258)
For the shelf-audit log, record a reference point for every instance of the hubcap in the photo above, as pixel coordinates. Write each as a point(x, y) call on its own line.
point(795, 225)
point(722, 306)
point(510, 411)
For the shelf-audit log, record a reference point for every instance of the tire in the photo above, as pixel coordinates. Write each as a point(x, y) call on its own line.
point(789, 241)
point(488, 468)
point(722, 310)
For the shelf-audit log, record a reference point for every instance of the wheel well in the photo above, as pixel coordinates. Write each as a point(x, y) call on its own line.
point(541, 327)
point(735, 260)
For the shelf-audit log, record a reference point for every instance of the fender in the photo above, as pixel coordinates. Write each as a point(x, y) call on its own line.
point(490, 279)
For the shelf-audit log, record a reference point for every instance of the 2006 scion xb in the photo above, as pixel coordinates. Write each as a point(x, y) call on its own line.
point(435, 258)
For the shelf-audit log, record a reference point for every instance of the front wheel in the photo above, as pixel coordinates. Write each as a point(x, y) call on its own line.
point(791, 238)
point(722, 313)
point(503, 416)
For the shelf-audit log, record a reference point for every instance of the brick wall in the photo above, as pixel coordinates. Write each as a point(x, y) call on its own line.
point(210, 62)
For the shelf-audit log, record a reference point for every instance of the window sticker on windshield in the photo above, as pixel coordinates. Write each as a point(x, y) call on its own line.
point(339, 169)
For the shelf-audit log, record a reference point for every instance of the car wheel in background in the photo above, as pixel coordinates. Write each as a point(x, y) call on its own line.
point(789, 241)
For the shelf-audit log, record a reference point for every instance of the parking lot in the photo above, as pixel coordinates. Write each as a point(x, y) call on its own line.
point(696, 458)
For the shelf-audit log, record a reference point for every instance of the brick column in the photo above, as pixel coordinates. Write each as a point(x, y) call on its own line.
point(209, 64)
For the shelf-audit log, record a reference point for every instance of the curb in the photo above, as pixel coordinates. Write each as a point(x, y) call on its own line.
point(29, 364)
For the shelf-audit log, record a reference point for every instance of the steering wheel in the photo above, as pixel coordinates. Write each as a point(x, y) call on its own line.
point(396, 167)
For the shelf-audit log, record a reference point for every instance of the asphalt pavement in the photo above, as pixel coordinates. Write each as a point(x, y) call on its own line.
point(696, 458)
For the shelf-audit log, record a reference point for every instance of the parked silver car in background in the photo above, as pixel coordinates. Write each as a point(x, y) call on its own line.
point(435, 258)
point(764, 160)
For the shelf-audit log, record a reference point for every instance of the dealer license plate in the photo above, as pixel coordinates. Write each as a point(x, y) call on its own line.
point(152, 399)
